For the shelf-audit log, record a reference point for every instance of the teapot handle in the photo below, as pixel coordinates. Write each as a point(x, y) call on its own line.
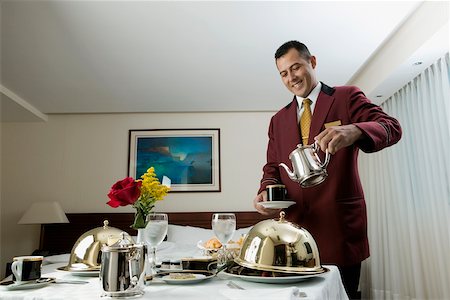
point(327, 155)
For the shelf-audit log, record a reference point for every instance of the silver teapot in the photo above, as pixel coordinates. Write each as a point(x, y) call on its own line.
point(308, 170)
point(122, 271)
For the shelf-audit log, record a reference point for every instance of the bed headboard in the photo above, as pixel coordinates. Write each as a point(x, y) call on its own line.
point(60, 238)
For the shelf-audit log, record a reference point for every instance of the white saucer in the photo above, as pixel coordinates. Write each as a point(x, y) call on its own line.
point(198, 278)
point(27, 285)
point(276, 204)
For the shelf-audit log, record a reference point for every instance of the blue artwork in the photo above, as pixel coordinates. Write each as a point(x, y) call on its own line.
point(185, 160)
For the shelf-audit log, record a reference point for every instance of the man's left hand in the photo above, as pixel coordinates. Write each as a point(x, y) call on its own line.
point(337, 137)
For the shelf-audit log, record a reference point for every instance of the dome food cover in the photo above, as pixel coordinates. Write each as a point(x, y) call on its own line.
point(280, 246)
point(86, 252)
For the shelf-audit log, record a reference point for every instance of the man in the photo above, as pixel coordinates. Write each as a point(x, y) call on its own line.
point(343, 121)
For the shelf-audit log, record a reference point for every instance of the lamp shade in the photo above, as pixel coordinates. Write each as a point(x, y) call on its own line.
point(44, 213)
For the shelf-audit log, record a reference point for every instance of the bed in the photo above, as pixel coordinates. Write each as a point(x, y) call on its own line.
point(60, 238)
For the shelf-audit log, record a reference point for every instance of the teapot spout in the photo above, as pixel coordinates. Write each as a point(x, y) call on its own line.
point(291, 174)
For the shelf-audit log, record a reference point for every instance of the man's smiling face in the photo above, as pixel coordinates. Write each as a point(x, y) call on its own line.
point(297, 73)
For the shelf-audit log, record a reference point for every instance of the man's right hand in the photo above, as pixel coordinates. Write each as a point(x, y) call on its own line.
point(264, 211)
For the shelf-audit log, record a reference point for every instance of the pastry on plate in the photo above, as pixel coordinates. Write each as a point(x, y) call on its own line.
point(213, 243)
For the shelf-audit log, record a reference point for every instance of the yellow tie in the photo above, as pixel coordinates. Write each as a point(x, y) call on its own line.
point(305, 121)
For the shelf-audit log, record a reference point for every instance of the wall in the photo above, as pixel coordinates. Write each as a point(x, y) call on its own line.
point(74, 159)
point(1, 218)
point(412, 34)
point(1, 104)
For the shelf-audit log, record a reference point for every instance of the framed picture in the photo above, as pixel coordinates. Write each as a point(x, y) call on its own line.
point(190, 158)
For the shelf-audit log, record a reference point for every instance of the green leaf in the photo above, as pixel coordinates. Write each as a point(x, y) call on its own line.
point(139, 218)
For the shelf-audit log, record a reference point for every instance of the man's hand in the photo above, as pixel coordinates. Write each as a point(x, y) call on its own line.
point(337, 137)
point(264, 211)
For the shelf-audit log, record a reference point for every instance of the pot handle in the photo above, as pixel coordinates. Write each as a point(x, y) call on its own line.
point(327, 155)
point(134, 254)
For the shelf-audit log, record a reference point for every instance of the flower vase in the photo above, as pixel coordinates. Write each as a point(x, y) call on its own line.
point(140, 236)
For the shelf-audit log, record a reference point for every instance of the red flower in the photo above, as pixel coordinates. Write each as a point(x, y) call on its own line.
point(124, 192)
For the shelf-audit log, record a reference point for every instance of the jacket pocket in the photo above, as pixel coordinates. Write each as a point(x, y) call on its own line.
point(353, 214)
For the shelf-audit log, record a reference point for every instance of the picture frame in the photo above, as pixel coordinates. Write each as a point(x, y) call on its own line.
point(190, 158)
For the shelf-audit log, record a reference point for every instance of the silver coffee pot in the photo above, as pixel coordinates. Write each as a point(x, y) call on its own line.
point(308, 170)
point(122, 271)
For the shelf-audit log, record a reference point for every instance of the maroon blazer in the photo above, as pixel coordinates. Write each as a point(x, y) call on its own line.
point(334, 212)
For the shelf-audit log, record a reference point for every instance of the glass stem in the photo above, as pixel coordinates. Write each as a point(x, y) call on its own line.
point(140, 236)
point(222, 256)
point(152, 259)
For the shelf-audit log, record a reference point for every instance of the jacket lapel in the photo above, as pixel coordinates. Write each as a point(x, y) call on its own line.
point(292, 127)
point(323, 105)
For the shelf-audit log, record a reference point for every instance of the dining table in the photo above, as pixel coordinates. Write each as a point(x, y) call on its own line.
point(68, 285)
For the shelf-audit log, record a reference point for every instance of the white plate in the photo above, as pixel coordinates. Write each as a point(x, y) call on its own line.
point(27, 286)
point(200, 244)
point(276, 204)
point(198, 278)
point(286, 279)
point(92, 273)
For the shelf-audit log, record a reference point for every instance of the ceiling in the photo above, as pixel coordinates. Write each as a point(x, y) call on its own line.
point(177, 56)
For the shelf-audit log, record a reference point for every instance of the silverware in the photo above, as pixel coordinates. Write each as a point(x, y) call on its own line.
point(55, 280)
point(233, 285)
point(297, 293)
point(223, 268)
point(70, 281)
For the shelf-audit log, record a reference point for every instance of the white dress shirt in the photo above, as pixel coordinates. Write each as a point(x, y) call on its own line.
point(312, 96)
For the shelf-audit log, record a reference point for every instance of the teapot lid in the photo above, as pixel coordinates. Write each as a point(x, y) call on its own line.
point(125, 242)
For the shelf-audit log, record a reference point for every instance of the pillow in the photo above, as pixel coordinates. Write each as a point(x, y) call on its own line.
point(240, 232)
point(191, 235)
point(188, 234)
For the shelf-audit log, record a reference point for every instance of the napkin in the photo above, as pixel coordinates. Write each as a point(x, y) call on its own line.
point(289, 293)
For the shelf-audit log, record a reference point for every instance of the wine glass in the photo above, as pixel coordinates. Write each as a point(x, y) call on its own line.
point(154, 233)
point(223, 225)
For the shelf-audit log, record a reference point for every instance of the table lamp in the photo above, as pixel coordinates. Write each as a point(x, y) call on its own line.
point(44, 213)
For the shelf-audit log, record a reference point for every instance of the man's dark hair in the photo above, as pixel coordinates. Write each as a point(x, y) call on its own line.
point(300, 47)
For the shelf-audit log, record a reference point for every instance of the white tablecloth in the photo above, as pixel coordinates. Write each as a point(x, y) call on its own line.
point(325, 286)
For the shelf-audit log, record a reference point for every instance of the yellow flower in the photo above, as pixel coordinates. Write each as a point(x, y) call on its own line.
point(151, 191)
point(151, 187)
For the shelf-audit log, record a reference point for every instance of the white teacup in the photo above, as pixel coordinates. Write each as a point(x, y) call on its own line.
point(26, 268)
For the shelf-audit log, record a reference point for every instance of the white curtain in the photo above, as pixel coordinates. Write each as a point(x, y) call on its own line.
point(407, 189)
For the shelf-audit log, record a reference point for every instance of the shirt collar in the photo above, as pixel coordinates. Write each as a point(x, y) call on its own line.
point(313, 95)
